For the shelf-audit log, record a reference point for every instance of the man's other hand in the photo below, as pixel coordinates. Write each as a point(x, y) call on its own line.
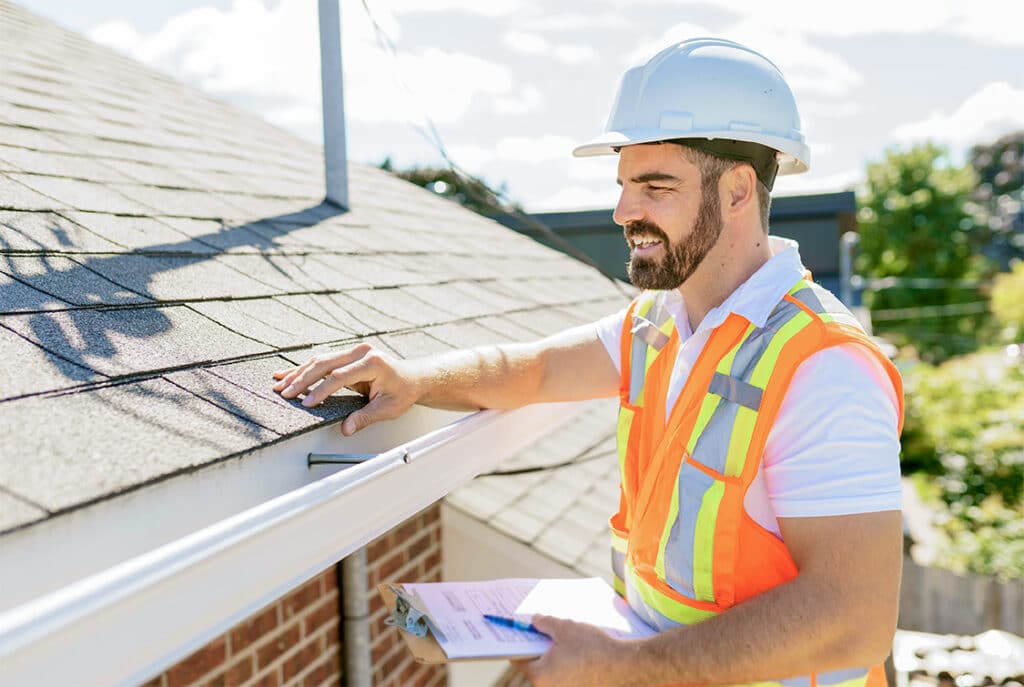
point(388, 383)
point(581, 655)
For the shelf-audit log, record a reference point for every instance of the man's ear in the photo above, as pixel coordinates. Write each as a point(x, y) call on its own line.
point(739, 189)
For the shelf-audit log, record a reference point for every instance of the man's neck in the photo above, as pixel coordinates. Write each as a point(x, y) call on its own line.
point(727, 266)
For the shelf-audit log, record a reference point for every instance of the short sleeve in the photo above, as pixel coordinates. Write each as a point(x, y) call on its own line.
point(609, 330)
point(834, 448)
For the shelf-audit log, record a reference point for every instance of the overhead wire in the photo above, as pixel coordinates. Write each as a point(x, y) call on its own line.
point(433, 135)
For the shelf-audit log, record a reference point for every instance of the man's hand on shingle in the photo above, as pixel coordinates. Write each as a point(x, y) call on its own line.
point(385, 381)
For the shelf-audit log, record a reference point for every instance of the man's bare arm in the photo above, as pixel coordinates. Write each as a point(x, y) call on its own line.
point(570, 365)
point(839, 612)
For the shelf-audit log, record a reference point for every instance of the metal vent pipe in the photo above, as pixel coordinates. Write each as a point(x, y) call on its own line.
point(335, 158)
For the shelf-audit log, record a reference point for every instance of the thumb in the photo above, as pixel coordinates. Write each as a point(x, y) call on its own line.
point(373, 411)
point(549, 625)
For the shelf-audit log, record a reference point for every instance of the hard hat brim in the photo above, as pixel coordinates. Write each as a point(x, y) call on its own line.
point(793, 157)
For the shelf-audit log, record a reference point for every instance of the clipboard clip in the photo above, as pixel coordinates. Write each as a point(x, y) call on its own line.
point(409, 618)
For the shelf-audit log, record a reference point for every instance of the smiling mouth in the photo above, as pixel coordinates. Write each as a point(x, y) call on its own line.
point(643, 244)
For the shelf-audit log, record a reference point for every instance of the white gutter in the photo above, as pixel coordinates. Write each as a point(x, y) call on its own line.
point(131, 621)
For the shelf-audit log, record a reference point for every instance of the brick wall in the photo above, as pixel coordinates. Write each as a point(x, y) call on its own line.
point(409, 553)
point(294, 642)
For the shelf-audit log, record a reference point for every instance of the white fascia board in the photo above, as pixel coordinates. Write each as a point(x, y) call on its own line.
point(125, 624)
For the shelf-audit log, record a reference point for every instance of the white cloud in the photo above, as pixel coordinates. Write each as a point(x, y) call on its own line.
point(988, 21)
point(527, 99)
point(252, 53)
point(809, 70)
point(602, 168)
point(809, 182)
point(575, 54)
point(997, 108)
point(576, 198)
point(526, 43)
point(491, 8)
point(571, 21)
point(534, 148)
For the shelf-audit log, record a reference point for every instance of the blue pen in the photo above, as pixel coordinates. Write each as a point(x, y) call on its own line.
point(513, 623)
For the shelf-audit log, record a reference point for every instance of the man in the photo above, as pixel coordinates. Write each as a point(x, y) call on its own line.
point(759, 523)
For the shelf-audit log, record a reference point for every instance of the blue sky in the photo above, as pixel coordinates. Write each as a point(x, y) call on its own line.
point(513, 84)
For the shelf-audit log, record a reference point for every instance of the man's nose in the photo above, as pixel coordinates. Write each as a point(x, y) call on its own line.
point(628, 209)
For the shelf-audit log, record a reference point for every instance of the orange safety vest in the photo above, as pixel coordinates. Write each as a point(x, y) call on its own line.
point(683, 547)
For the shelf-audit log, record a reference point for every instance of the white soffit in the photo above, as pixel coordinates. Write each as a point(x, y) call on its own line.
point(99, 630)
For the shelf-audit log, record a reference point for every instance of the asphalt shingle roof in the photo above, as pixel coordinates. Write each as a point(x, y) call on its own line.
point(162, 252)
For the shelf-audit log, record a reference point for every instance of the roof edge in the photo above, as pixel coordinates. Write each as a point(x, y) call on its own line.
point(224, 567)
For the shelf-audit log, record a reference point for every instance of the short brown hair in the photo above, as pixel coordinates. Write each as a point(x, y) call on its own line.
point(712, 167)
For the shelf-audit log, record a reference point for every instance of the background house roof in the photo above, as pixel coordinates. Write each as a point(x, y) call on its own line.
point(161, 253)
point(561, 512)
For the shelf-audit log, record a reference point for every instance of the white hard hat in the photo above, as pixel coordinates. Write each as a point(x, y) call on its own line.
point(707, 90)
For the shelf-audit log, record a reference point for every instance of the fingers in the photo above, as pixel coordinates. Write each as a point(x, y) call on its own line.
point(298, 380)
point(338, 378)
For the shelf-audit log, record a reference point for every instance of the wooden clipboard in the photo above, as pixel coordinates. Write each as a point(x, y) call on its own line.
point(426, 649)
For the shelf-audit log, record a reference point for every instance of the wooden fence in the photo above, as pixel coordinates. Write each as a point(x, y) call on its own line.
point(939, 601)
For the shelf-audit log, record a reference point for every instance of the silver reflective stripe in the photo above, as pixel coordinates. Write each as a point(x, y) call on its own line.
point(637, 369)
point(736, 390)
point(619, 564)
point(804, 681)
point(693, 483)
point(649, 615)
point(649, 333)
point(712, 446)
point(839, 676)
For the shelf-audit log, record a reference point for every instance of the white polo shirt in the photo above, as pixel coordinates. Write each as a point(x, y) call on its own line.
point(834, 448)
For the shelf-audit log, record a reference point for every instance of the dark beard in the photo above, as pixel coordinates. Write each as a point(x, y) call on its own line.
point(679, 261)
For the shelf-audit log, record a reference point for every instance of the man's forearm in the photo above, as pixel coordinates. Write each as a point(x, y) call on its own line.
point(506, 376)
point(790, 630)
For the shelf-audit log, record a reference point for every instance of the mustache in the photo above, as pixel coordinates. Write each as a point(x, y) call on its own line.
point(634, 230)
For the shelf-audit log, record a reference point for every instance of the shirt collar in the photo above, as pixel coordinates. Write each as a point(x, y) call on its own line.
point(757, 296)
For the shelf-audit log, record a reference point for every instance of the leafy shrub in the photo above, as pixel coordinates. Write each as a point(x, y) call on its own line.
point(965, 429)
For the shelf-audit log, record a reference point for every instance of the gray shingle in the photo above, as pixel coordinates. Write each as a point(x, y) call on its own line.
point(47, 231)
point(414, 344)
point(18, 297)
point(65, 279)
point(28, 369)
point(294, 273)
point(403, 305)
point(180, 203)
point(138, 233)
point(270, 322)
point(31, 139)
point(343, 312)
point(15, 512)
point(507, 330)
point(81, 195)
point(112, 439)
point(17, 196)
point(170, 278)
point(55, 164)
point(134, 340)
point(245, 389)
point(464, 335)
point(223, 237)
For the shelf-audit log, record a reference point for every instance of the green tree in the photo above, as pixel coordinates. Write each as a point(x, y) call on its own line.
point(915, 228)
point(963, 437)
point(998, 200)
point(1008, 302)
point(464, 189)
